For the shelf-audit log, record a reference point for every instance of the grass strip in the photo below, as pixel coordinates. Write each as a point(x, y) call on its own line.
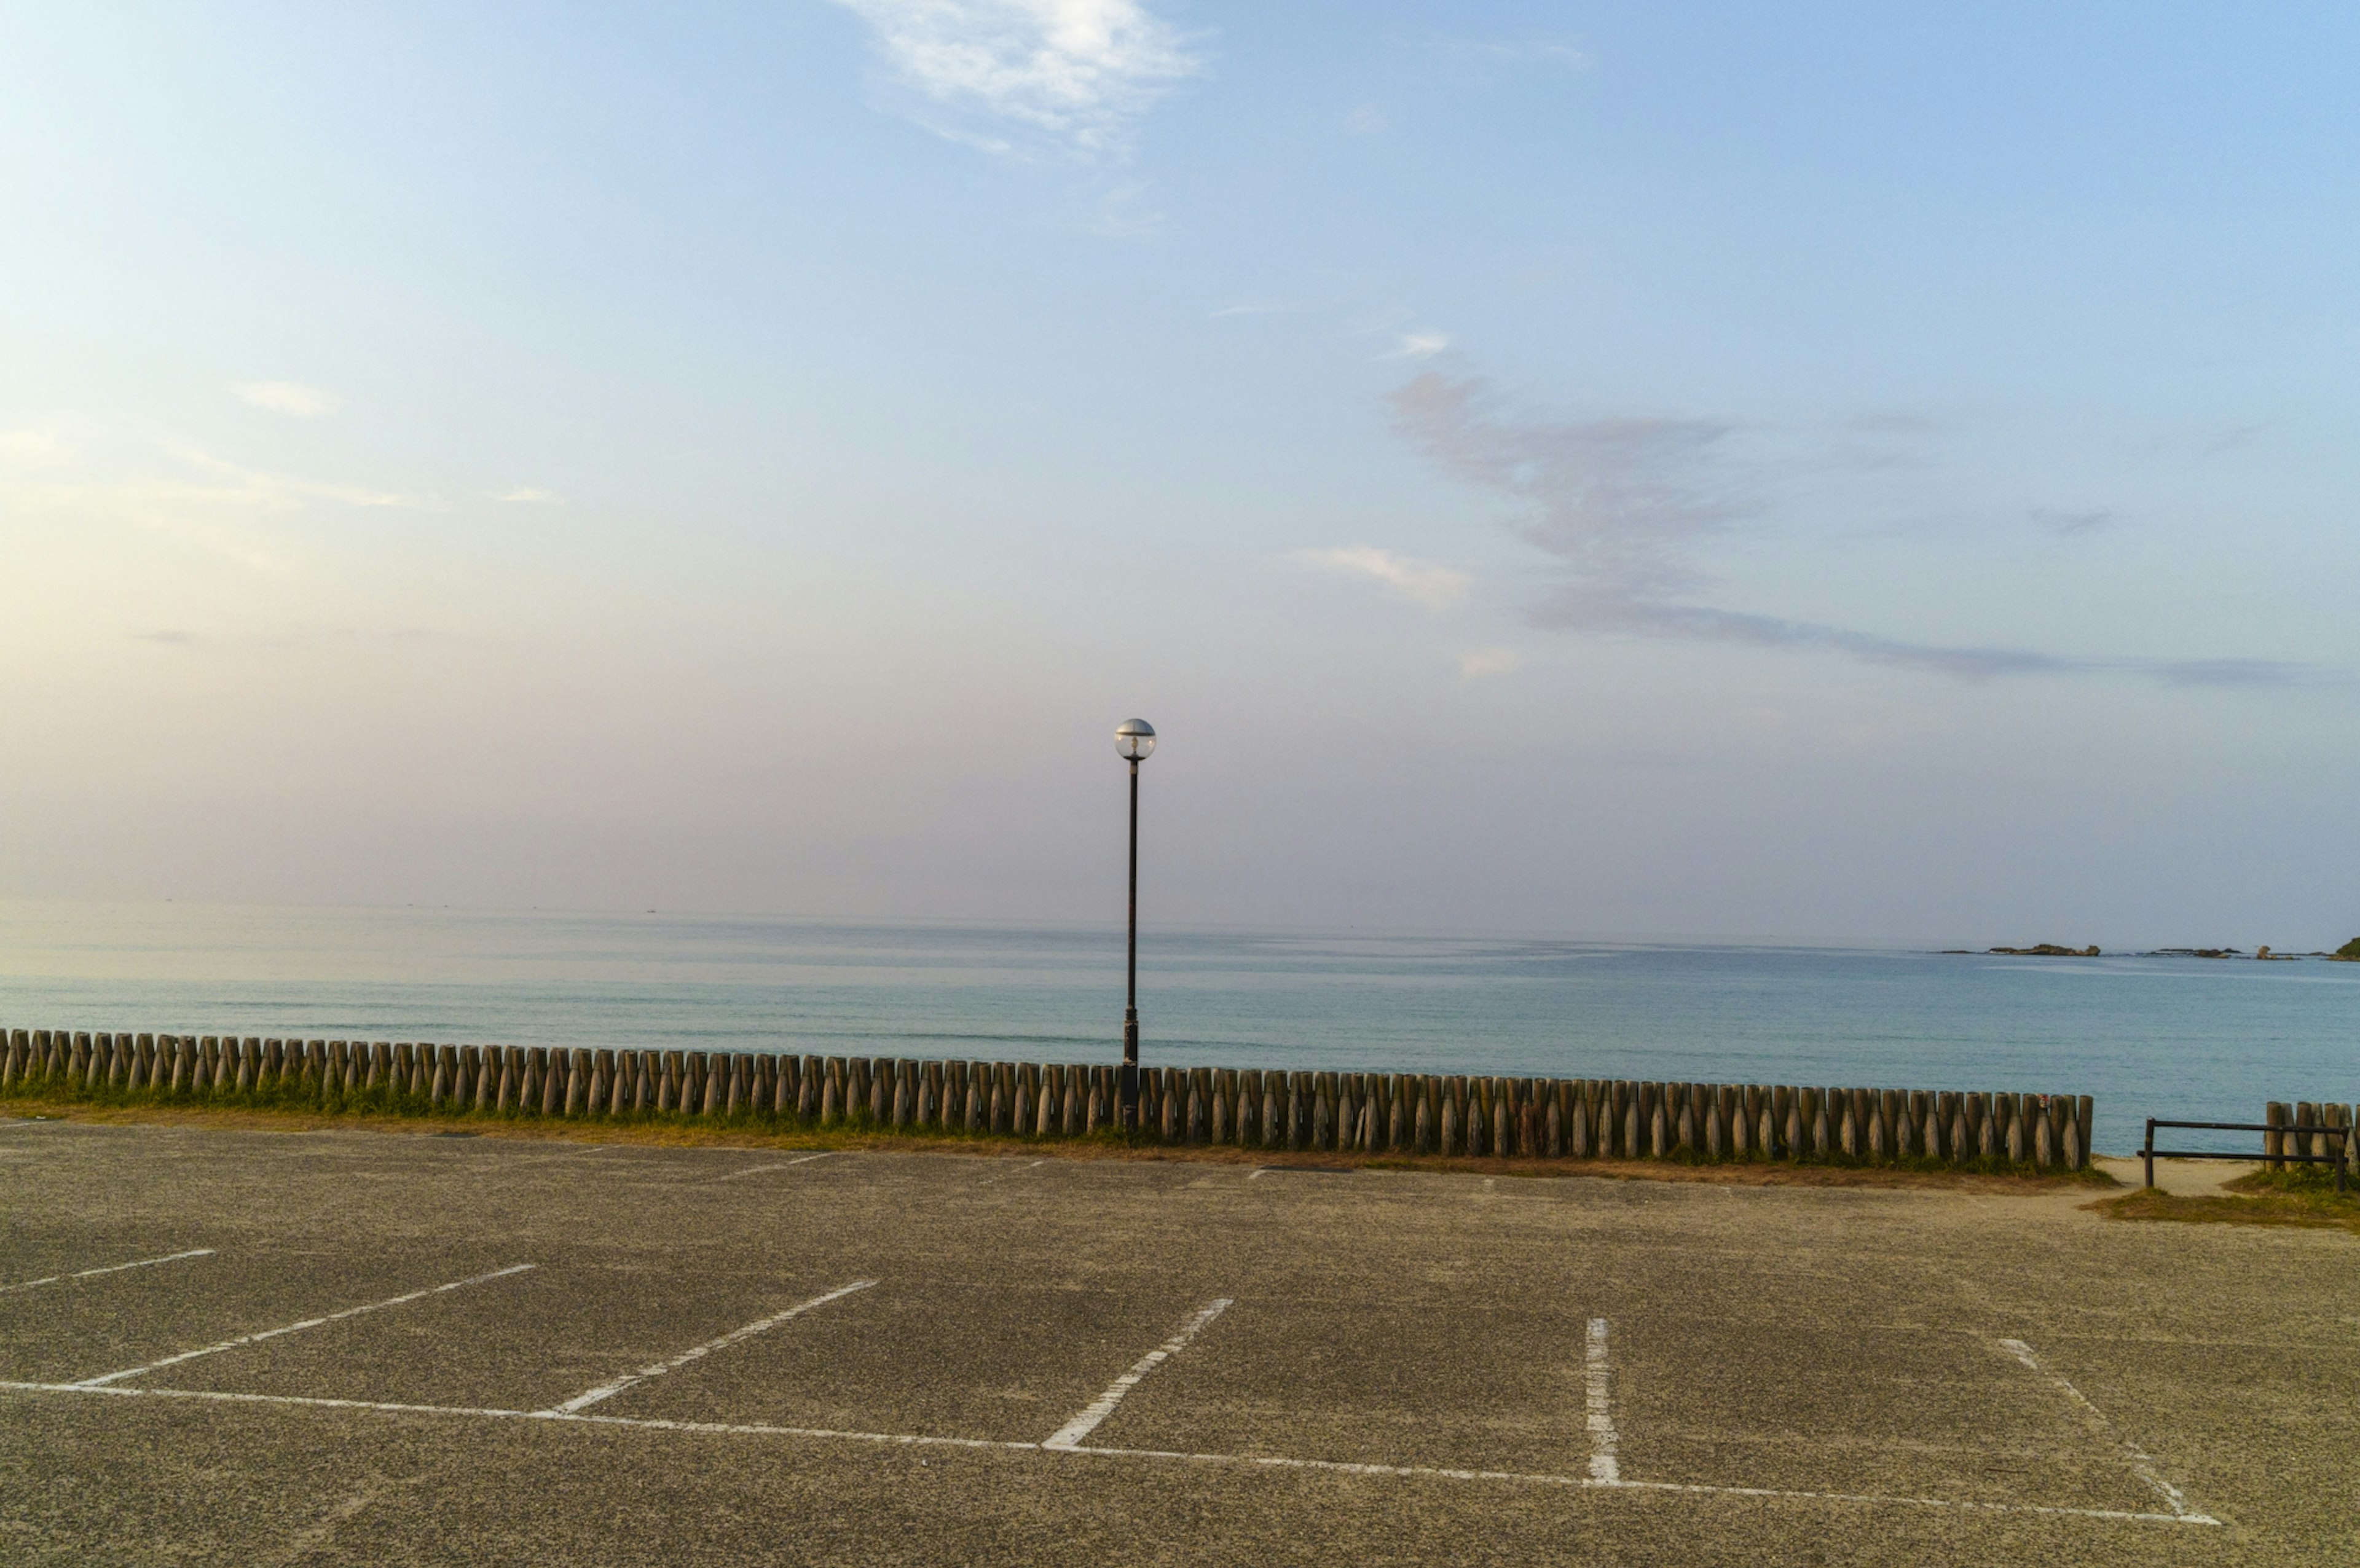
point(2302, 1197)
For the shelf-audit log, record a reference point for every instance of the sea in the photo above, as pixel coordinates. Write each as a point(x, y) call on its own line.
point(2159, 1036)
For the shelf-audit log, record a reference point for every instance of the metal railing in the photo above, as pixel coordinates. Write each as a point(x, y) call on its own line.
point(2339, 1140)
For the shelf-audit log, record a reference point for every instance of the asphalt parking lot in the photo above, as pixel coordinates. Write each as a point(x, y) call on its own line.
point(255, 1347)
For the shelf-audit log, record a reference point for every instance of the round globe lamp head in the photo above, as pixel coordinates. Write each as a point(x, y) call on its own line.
point(1134, 739)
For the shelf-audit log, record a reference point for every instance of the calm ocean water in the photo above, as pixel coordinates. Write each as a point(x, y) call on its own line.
point(2190, 1037)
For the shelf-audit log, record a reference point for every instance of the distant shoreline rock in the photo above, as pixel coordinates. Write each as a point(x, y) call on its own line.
point(2348, 954)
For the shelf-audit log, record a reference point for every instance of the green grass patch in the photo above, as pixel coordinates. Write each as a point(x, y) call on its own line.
point(2300, 1196)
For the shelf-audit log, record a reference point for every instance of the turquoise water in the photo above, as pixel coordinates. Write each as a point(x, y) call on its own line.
point(2165, 1037)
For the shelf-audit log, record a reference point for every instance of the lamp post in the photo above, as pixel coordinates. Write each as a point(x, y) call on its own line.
point(1133, 740)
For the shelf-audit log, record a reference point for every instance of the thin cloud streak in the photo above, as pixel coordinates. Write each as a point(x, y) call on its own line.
point(286, 397)
point(1421, 345)
point(1625, 501)
point(1577, 609)
point(2071, 523)
point(1427, 582)
point(1535, 52)
point(1699, 623)
point(178, 489)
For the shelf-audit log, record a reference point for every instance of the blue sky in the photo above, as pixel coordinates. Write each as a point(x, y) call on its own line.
point(1798, 472)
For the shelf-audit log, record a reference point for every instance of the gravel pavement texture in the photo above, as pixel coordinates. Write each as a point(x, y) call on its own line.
point(470, 1350)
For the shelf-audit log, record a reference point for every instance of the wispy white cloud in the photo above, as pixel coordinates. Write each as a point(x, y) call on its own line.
point(259, 489)
point(174, 489)
point(525, 495)
point(1421, 345)
point(1427, 582)
point(1074, 73)
point(1365, 121)
point(286, 397)
point(1476, 663)
point(1534, 51)
point(1123, 213)
point(1624, 502)
point(39, 447)
point(1253, 307)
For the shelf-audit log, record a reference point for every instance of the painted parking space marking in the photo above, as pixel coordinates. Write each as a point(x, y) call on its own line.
point(1598, 1405)
point(1071, 1435)
point(1243, 1461)
point(783, 1165)
point(256, 1338)
point(2141, 1463)
point(110, 1268)
point(1604, 1474)
point(608, 1390)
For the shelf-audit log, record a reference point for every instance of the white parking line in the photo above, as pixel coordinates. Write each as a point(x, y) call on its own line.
point(608, 1390)
point(1598, 1390)
point(1071, 1435)
point(757, 1170)
point(1586, 1483)
point(2141, 1464)
point(110, 1268)
point(295, 1327)
point(1243, 1461)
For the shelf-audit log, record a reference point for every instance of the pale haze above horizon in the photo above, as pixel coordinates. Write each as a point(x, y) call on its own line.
point(1824, 473)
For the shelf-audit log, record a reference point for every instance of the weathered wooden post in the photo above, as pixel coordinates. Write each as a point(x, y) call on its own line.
point(809, 1073)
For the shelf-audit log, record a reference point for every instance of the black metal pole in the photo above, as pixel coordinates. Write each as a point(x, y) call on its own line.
point(2147, 1151)
point(1129, 1090)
